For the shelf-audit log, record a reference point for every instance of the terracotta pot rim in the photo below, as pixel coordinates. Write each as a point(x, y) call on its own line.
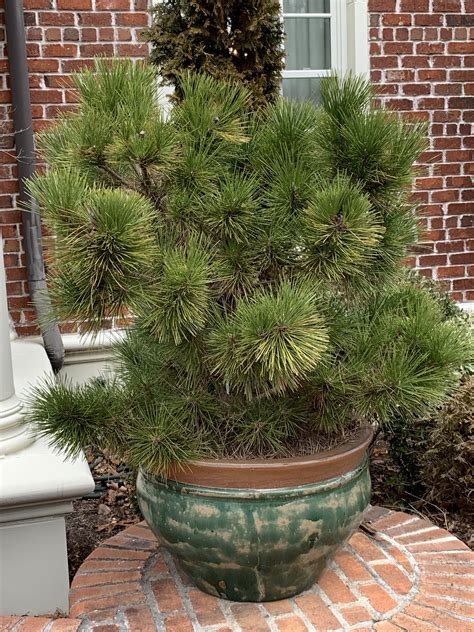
point(275, 473)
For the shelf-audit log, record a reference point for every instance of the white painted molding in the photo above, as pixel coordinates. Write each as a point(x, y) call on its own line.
point(87, 342)
point(14, 435)
point(37, 486)
point(358, 37)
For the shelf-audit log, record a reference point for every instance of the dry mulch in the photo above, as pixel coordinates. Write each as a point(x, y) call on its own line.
point(105, 512)
point(113, 505)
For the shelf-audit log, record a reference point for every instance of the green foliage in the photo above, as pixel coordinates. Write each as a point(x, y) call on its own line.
point(226, 39)
point(341, 230)
point(447, 463)
point(262, 254)
point(73, 417)
point(435, 453)
point(271, 341)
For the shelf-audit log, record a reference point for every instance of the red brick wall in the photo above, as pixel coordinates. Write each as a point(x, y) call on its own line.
point(422, 52)
point(62, 36)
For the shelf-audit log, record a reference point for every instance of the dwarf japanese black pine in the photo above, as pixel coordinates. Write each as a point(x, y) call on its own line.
point(258, 257)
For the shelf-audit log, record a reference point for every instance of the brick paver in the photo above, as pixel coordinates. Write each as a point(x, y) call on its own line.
point(402, 573)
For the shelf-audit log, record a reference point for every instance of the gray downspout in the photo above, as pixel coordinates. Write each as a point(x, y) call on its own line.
point(25, 154)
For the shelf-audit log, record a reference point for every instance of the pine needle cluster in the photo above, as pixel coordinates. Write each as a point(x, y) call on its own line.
point(261, 252)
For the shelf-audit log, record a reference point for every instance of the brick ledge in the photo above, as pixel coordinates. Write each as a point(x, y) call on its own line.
point(399, 572)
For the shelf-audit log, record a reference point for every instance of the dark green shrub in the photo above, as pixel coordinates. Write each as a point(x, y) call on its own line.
point(447, 466)
point(228, 39)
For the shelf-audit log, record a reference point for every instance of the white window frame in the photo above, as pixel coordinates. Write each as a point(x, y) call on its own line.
point(349, 39)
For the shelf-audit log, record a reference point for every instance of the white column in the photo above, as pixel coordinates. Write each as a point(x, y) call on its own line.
point(358, 37)
point(13, 433)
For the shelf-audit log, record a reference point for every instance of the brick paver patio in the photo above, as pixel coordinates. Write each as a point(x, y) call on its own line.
point(398, 573)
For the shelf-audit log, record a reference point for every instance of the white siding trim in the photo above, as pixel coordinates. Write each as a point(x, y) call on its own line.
point(358, 37)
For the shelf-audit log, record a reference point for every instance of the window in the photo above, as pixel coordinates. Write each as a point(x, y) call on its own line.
point(322, 35)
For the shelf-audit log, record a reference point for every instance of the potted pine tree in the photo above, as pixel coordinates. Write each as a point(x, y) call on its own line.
point(258, 259)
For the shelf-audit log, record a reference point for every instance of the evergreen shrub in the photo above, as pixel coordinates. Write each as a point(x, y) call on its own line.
point(261, 253)
point(228, 39)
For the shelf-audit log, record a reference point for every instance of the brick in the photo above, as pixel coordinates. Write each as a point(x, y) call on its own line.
point(397, 19)
point(447, 572)
point(176, 623)
point(434, 616)
point(7, 622)
point(462, 48)
point(139, 618)
point(132, 19)
point(453, 592)
point(166, 595)
point(249, 618)
point(141, 530)
point(88, 592)
point(95, 19)
point(415, 61)
point(74, 5)
point(112, 5)
point(451, 606)
point(465, 257)
point(33, 624)
point(56, 19)
point(104, 553)
point(66, 625)
point(37, 4)
point(461, 102)
point(75, 65)
point(416, 89)
point(334, 588)
point(90, 605)
point(96, 50)
point(133, 50)
point(317, 612)
point(60, 50)
point(447, 6)
point(378, 598)
point(405, 622)
point(394, 577)
point(45, 96)
point(428, 19)
point(355, 615)
point(365, 548)
point(400, 75)
point(398, 48)
point(384, 62)
point(430, 48)
point(432, 74)
point(292, 624)
point(43, 65)
point(382, 5)
point(97, 579)
point(206, 608)
point(283, 606)
point(415, 6)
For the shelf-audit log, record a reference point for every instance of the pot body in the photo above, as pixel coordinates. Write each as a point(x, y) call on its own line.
point(256, 545)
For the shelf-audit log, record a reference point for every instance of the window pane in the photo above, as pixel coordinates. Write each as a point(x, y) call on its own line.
point(306, 6)
point(303, 89)
point(308, 43)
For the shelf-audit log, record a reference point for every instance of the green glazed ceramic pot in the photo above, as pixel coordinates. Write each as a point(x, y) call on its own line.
point(259, 530)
